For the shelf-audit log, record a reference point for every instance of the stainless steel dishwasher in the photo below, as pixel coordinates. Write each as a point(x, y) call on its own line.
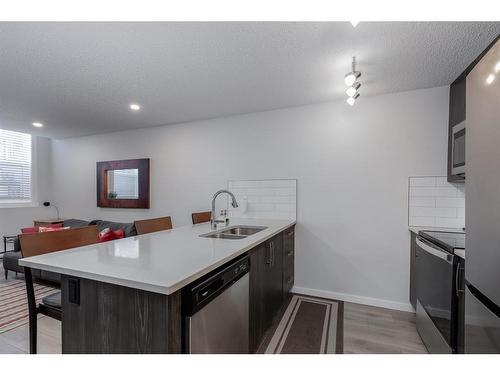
point(217, 312)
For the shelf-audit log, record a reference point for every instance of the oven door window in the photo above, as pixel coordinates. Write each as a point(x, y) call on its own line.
point(434, 276)
point(459, 148)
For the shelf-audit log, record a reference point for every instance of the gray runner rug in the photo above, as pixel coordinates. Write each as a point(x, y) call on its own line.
point(309, 326)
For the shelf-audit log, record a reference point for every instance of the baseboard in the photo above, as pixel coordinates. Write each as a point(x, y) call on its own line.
point(394, 305)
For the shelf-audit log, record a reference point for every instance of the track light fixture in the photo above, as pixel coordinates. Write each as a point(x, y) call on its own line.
point(352, 76)
point(352, 99)
point(351, 91)
point(350, 80)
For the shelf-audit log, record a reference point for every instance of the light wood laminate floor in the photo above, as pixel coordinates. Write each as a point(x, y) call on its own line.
point(367, 329)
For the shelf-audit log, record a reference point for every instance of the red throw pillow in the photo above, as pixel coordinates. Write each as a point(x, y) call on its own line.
point(29, 230)
point(37, 229)
point(51, 229)
point(109, 235)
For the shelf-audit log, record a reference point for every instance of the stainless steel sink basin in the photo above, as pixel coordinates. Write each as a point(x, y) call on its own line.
point(224, 236)
point(244, 230)
point(234, 233)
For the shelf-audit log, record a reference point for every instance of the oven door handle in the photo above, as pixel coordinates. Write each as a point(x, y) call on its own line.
point(433, 251)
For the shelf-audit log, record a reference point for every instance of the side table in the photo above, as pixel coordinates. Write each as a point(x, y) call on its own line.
point(46, 222)
point(8, 239)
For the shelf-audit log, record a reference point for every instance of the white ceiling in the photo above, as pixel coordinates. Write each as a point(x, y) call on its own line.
point(78, 78)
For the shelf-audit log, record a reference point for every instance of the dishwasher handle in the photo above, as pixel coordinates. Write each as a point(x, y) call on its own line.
point(434, 251)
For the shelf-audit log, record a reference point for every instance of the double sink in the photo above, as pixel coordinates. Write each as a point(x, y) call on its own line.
point(237, 232)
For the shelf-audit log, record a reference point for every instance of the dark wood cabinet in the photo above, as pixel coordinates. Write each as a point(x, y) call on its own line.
point(258, 267)
point(413, 287)
point(457, 101)
point(273, 277)
point(456, 116)
point(270, 266)
point(461, 306)
point(288, 260)
point(115, 319)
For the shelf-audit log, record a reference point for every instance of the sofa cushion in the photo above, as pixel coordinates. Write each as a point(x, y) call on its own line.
point(10, 261)
point(128, 228)
point(76, 223)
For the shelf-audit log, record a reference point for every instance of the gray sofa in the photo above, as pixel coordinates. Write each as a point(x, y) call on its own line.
point(11, 258)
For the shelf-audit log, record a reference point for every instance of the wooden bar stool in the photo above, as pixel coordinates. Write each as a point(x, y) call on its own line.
point(48, 242)
point(201, 217)
point(153, 225)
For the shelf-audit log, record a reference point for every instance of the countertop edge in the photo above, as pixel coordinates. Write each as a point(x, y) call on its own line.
point(416, 229)
point(153, 287)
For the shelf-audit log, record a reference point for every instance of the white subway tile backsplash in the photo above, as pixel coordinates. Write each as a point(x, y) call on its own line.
point(423, 181)
point(461, 212)
point(422, 202)
point(266, 198)
point(433, 211)
point(433, 191)
point(447, 222)
point(450, 202)
point(418, 221)
point(442, 181)
point(433, 201)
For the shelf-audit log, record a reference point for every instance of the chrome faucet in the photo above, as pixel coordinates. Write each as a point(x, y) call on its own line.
point(213, 221)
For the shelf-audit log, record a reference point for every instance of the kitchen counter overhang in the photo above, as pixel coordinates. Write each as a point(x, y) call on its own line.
point(161, 262)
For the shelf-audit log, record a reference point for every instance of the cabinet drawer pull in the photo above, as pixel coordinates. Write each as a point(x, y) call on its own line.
point(290, 253)
point(272, 254)
point(290, 233)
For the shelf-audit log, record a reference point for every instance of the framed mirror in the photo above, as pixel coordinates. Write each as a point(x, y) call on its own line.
point(123, 183)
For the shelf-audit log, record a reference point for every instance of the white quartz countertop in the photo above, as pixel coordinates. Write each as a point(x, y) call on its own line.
point(161, 262)
point(439, 229)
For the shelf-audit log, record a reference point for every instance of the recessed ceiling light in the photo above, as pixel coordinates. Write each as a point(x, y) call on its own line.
point(497, 67)
point(490, 79)
point(37, 125)
point(354, 23)
point(135, 107)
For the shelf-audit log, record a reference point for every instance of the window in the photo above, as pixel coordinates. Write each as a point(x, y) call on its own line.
point(15, 167)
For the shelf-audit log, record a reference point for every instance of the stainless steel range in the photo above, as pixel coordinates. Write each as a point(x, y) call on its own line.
point(437, 280)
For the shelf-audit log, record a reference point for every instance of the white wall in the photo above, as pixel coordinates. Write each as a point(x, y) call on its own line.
point(12, 219)
point(352, 165)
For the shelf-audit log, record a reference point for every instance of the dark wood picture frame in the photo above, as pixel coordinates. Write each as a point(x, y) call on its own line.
point(142, 165)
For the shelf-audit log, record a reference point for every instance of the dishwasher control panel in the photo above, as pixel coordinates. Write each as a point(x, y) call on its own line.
point(207, 288)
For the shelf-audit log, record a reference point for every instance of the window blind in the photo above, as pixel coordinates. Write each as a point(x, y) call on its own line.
point(126, 183)
point(15, 166)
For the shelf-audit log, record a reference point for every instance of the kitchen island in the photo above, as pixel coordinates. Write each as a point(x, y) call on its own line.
point(125, 296)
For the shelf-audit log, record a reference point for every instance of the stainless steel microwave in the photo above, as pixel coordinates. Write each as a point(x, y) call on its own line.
point(458, 150)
